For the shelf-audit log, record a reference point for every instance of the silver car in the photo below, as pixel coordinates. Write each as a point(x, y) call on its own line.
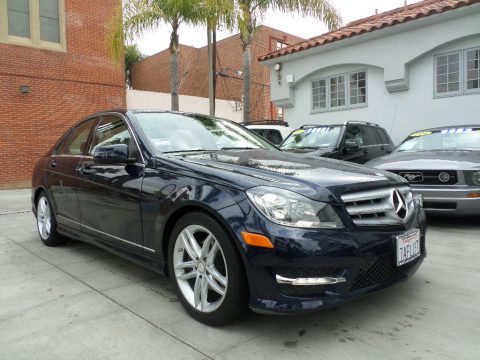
point(442, 164)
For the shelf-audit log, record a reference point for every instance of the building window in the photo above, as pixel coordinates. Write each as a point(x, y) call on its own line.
point(337, 91)
point(448, 73)
point(280, 114)
point(36, 23)
point(457, 73)
point(19, 18)
point(340, 91)
point(472, 64)
point(281, 45)
point(49, 21)
point(358, 88)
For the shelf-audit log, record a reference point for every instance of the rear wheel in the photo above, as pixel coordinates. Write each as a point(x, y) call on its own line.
point(46, 222)
point(207, 270)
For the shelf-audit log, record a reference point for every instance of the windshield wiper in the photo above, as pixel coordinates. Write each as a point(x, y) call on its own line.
point(305, 148)
point(239, 148)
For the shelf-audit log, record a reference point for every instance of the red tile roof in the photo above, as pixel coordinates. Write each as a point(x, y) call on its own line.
point(393, 17)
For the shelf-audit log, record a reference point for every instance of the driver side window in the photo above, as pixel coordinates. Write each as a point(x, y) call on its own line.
point(112, 130)
point(354, 136)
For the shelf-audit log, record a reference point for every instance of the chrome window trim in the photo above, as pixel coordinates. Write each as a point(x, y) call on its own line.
point(104, 233)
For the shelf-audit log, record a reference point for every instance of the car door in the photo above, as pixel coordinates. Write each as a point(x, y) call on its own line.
point(109, 196)
point(386, 144)
point(61, 176)
point(372, 144)
point(353, 147)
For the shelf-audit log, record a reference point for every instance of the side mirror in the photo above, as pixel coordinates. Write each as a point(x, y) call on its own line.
point(112, 154)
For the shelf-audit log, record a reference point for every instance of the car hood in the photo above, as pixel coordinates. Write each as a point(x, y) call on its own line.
point(317, 179)
point(429, 160)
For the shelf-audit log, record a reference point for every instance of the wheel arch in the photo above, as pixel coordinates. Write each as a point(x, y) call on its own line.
point(189, 208)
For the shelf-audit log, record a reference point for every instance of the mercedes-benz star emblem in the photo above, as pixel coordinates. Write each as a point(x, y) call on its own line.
point(399, 205)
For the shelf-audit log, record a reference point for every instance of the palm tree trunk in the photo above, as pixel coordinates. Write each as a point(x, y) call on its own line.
point(174, 67)
point(246, 83)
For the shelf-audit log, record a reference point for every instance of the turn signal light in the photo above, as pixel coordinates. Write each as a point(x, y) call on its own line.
point(257, 240)
point(473, 195)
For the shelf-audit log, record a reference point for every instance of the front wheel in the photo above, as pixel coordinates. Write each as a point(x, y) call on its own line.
point(46, 222)
point(207, 270)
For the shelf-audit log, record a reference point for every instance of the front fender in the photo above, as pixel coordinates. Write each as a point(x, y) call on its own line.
point(167, 196)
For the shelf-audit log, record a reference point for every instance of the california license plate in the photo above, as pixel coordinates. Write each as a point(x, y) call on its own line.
point(408, 247)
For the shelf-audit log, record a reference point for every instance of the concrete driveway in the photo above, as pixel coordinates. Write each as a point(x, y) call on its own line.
point(79, 302)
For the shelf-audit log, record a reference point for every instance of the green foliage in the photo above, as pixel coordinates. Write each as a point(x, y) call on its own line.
point(132, 55)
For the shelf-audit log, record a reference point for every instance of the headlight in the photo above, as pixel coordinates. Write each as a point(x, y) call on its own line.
point(291, 209)
point(476, 178)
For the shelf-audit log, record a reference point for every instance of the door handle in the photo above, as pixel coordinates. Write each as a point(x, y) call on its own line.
point(382, 148)
point(365, 151)
point(86, 168)
point(53, 163)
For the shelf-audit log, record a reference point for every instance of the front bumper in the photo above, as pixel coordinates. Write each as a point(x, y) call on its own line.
point(449, 200)
point(363, 258)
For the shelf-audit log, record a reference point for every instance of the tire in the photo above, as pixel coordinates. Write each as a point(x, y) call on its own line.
point(210, 265)
point(46, 222)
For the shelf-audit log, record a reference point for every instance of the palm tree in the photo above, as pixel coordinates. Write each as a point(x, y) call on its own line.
point(249, 11)
point(141, 15)
point(216, 13)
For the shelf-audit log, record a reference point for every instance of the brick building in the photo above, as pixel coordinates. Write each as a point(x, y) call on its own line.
point(54, 70)
point(153, 73)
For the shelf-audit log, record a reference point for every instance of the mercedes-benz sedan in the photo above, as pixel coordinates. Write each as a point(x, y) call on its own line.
point(231, 219)
point(442, 165)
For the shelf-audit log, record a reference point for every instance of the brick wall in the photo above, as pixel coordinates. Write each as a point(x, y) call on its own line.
point(153, 73)
point(65, 86)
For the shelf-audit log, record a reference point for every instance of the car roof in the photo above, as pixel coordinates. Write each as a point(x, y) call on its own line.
point(352, 122)
point(448, 127)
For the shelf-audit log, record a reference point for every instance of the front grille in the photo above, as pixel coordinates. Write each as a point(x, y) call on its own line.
point(382, 270)
point(376, 207)
point(428, 177)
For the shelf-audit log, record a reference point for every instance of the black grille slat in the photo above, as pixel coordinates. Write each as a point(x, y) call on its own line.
point(429, 177)
point(382, 270)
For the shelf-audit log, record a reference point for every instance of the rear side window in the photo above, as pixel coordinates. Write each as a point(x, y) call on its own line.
point(382, 136)
point(76, 141)
point(112, 130)
point(369, 136)
point(274, 136)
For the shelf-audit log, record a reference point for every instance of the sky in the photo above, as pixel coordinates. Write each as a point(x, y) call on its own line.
point(155, 41)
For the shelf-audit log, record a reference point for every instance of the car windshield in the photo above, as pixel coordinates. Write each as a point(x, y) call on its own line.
point(176, 133)
point(314, 137)
point(442, 139)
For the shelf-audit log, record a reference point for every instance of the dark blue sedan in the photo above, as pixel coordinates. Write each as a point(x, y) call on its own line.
point(232, 220)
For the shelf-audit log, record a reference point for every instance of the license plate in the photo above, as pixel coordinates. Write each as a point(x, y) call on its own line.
point(408, 247)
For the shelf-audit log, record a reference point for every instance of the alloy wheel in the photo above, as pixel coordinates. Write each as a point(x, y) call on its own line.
point(200, 268)
point(44, 218)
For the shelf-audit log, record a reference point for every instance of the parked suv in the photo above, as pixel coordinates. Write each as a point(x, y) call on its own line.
point(273, 131)
point(354, 141)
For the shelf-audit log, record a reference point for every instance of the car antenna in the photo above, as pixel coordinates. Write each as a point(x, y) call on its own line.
point(394, 118)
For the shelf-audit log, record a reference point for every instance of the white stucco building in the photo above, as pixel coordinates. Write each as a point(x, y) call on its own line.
point(406, 69)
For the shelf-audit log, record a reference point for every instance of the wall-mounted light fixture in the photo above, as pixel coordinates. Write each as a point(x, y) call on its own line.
point(25, 89)
point(278, 67)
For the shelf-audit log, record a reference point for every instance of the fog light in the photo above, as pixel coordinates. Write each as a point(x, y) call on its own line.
point(444, 177)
